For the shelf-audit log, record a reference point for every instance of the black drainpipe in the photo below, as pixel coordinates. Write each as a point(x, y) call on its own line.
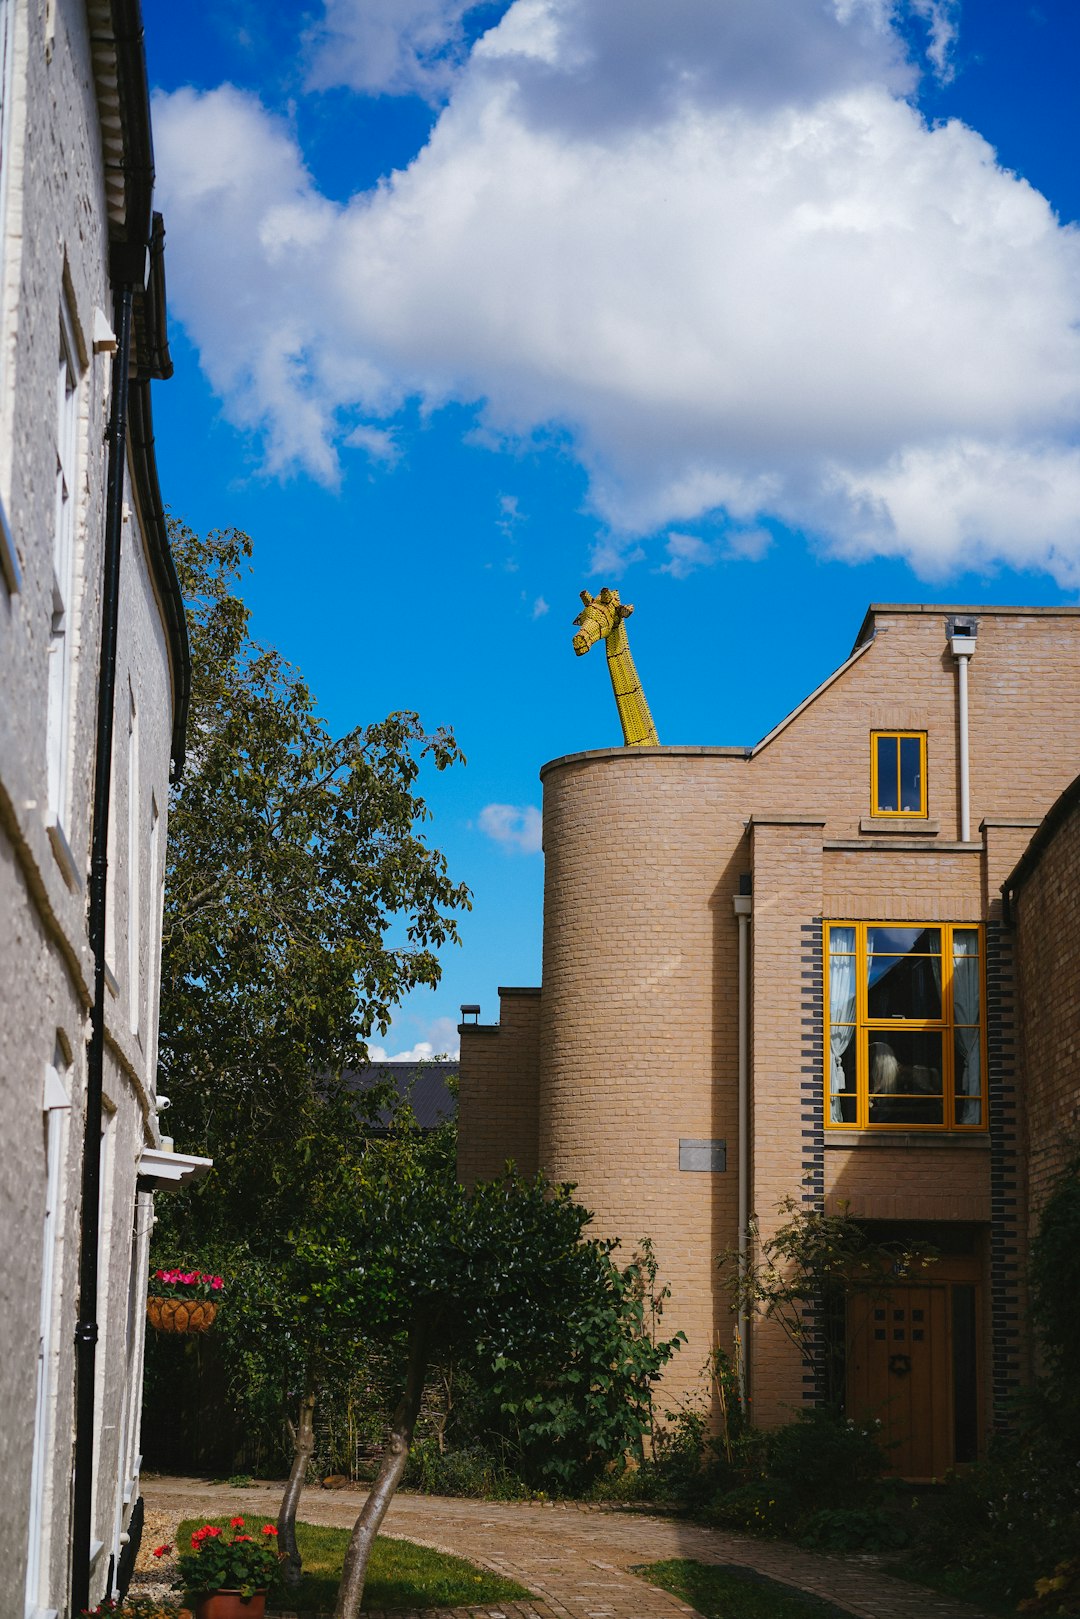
point(86, 1332)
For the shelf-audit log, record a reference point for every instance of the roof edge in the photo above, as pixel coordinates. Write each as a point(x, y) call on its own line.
point(1054, 818)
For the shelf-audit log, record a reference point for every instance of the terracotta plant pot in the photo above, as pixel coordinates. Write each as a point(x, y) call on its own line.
point(230, 1605)
point(182, 1315)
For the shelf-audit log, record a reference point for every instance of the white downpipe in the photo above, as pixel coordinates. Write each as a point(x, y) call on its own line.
point(743, 910)
point(962, 648)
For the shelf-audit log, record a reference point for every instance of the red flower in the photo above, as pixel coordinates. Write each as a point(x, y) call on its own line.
point(211, 1529)
point(268, 1529)
point(162, 1551)
point(241, 1537)
point(236, 1523)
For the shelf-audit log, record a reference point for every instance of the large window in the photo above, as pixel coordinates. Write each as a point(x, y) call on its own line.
point(904, 1006)
point(61, 641)
point(898, 772)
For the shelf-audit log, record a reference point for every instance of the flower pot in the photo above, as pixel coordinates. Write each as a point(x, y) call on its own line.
point(182, 1315)
point(230, 1605)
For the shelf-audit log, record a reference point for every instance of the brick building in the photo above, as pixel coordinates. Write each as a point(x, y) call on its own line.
point(821, 915)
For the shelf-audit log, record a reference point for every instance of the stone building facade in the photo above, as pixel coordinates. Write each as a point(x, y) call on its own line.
point(76, 227)
point(858, 852)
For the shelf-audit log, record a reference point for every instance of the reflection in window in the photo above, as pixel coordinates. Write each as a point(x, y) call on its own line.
point(898, 771)
point(905, 1026)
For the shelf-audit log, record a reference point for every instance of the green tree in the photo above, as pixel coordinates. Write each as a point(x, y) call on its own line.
point(499, 1281)
point(301, 903)
point(301, 900)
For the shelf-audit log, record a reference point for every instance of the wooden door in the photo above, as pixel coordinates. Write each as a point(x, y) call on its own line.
point(900, 1371)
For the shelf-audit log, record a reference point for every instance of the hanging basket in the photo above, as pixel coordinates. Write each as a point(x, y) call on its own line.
point(181, 1315)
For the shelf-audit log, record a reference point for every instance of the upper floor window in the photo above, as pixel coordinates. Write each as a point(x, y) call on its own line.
point(898, 772)
point(61, 639)
point(905, 1026)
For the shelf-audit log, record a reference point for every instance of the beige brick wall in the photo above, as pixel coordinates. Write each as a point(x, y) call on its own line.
point(644, 849)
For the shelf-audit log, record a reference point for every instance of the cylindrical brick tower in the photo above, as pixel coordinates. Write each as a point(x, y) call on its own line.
point(638, 1057)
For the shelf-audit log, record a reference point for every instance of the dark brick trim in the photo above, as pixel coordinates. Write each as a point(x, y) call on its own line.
point(812, 1091)
point(1004, 1264)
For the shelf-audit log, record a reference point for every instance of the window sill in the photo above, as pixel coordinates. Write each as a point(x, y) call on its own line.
point(977, 1139)
point(907, 825)
point(64, 857)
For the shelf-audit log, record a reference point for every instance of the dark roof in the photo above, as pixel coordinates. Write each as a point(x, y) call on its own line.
point(422, 1084)
point(136, 255)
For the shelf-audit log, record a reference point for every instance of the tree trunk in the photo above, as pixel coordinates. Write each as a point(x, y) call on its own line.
point(391, 1469)
point(303, 1438)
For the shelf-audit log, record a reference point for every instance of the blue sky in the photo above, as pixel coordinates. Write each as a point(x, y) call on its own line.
point(759, 312)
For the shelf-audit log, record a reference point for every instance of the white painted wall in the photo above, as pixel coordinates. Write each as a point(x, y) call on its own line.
point(53, 249)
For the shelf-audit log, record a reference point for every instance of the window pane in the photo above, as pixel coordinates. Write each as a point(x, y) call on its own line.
point(911, 774)
point(843, 1098)
point(967, 1068)
point(966, 989)
point(841, 941)
point(887, 783)
point(904, 941)
point(904, 1070)
point(904, 986)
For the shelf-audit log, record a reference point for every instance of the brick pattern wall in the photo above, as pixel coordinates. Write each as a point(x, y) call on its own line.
point(644, 851)
point(497, 1090)
point(813, 1116)
point(1009, 1357)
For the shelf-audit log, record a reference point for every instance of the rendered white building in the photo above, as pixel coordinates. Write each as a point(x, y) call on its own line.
point(80, 279)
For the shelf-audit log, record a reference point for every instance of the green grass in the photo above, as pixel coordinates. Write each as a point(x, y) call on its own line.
point(400, 1574)
point(735, 1593)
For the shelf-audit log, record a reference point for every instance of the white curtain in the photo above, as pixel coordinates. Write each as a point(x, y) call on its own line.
point(841, 1012)
point(966, 1011)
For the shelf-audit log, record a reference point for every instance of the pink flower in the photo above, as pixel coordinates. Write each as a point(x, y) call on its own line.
point(216, 1281)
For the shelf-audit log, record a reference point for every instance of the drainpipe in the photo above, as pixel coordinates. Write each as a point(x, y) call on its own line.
point(86, 1332)
point(962, 647)
point(744, 905)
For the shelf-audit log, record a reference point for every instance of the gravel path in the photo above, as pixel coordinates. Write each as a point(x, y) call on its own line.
point(575, 1559)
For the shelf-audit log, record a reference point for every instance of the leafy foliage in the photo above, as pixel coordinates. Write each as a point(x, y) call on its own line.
point(805, 1271)
point(228, 1558)
point(301, 900)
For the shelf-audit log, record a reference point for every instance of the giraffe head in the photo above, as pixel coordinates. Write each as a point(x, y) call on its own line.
point(598, 617)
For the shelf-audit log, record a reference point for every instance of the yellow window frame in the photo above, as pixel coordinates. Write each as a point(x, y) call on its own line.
point(898, 737)
point(946, 1025)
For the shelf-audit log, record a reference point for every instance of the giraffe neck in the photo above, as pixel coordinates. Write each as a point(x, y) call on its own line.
point(637, 723)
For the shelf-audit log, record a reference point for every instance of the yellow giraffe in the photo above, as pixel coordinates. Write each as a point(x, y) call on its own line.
point(602, 618)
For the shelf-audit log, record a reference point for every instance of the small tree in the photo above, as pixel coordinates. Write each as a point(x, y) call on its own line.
point(499, 1280)
point(806, 1270)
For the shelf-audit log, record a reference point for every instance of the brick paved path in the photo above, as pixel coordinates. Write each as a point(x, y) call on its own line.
point(575, 1559)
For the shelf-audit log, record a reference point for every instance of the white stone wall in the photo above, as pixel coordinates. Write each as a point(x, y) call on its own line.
point(55, 246)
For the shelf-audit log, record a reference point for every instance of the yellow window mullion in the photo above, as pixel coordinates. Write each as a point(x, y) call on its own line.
point(862, 1107)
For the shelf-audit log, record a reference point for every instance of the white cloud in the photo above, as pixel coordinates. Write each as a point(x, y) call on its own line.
point(516, 826)
point(540, 607)
point(686, 552)
point(390, 47)
point(442, 1040)
point(379, 444)
point(714, 246)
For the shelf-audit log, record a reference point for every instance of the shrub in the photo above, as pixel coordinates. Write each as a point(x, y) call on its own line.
point(219, 1561)
point(761, 1507)
point(835, 1462)
point(852, 1529)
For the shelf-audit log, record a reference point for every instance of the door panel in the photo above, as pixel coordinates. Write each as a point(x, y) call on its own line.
point(899, 1371)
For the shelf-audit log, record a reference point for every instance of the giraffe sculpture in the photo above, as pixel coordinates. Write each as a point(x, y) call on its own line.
point(602, 618)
